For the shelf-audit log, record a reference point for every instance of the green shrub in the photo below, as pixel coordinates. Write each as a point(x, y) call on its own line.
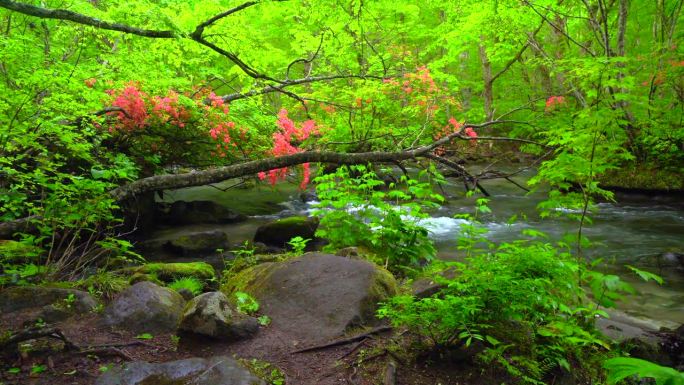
point(354, 211)
point(522, 300)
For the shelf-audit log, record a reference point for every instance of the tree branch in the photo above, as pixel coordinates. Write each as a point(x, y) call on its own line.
point(200, 178)
point(63, 14)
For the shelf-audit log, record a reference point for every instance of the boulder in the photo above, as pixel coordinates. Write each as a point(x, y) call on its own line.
point(279, 232)
point(197, 242)
point(187, 213)
point(316, 297)
point(218, 370)
point(23, 297)
point(145, 307)
point(212, 314)
point(168, 272)
point(666, 260)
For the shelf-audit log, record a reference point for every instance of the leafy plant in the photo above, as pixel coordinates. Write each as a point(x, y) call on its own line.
point(144, 336)
point(38, 369)
point(298, 244)
point(246, 303)
point(521, 300)
point(192, 284)
point(355, 211)
point(620, 368)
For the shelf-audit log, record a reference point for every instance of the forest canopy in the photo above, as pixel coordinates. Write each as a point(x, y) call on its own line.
point(107, 104)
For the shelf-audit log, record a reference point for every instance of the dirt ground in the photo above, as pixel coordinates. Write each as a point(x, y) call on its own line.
point(362, 362)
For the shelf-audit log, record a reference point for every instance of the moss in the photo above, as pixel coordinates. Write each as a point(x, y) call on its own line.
point(168, 272)
point(15, 252)
point(292, 221)
point(640, 178)
point(383, 287)
point(264, 370)
point(250, 280)
point(241, 263)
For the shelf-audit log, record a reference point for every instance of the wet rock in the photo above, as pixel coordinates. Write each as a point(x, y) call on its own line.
point(194, 212)
point(212, 314)
point(308, 196)
point(666, 260)
point(219, 370)
point(635, 337)
point(197, 242)
point(24, 297)
point(279, 232)
point(316, 297)
point(145, 307)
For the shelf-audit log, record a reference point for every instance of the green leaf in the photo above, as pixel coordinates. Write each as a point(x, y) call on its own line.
point(144, 336)
point(646, 276)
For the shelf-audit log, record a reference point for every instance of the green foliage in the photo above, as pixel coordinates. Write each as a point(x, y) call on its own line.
point(192, 284)
point(144, 336)
point(521, 300)
point(246, 303)
point(105, 284)
point(298, 244)
point(264, 370)
point(356, 211)
point(620, 368)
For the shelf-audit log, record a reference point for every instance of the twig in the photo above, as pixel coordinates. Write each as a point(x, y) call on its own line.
point(345, 341)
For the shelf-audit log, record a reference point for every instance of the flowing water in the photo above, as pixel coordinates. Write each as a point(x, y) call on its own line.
point(624, 232)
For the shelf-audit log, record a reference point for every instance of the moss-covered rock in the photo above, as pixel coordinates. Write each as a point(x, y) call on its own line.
point(23, 297)
point(160, 273)
point(281, 231)
point(197, 242)
point(145, 307)
point(316, 297)
point(643, 179)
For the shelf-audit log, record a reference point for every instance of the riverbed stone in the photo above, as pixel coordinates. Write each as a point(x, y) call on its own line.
point(194, 212)
point(194, 242)
point(213, 315)
point(24, 297)
point(145, 307)
point(316, 297)
point(218, 370)
point(281, 231)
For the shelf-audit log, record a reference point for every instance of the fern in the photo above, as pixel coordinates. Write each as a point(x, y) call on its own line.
point(623, 367)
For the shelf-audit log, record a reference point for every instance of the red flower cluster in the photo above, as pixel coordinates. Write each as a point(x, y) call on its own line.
point(454, 126)
point(283, 145)
point(554, 102)
point(134, 111)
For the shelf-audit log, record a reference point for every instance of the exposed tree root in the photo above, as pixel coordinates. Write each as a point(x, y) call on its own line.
point(345, 341)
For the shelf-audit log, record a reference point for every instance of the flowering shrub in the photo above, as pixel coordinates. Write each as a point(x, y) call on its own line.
point(175, 126)
point(284, 143)
point(554, 102)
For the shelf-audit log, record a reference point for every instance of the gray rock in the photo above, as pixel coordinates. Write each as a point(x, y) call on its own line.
point(316, 297)
point(145, 307)
point(198, 241)
point(186, 213)
point(212, 314)
point(219, 370)
point(281, 231)
point(24, 297)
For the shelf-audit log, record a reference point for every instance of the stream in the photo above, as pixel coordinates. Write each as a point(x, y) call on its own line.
point(623, 232)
